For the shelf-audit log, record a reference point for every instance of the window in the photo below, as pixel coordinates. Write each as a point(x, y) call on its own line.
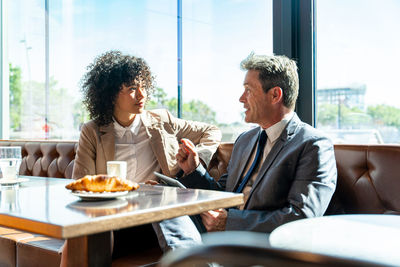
point(357, 55)
point(78, 32)
point(217, 36)
point(48, 52)
point(25, 55)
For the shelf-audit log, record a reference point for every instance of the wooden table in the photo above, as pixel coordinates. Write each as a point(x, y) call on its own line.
point(373, 238)
point(44, 206)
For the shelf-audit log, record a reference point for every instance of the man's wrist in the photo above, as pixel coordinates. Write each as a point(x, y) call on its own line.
point(191, 171)
point(203, 163)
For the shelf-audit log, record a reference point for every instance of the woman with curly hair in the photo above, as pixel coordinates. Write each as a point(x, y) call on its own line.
point(116, 89)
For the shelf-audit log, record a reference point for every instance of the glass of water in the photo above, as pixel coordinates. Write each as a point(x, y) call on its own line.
point(10, 161)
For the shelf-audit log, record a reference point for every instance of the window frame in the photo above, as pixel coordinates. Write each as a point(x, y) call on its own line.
point(4, 83)
point(293, 36)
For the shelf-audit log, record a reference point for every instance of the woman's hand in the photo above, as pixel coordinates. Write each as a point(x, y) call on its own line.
point(151, 182)
point(187, 156)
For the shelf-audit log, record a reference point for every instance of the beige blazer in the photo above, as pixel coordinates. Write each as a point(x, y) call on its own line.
point(97, 144)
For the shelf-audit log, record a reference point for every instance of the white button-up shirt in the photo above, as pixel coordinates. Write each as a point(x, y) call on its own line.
point(132, 144)
point(273, 134)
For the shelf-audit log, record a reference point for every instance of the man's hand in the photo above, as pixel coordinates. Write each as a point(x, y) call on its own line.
point(187, 156)
point(214, 220)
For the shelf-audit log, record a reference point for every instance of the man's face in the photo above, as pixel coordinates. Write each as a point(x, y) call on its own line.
point(131, 99)
point(255, 101)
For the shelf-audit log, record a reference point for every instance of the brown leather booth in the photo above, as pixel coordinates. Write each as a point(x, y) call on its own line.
point(368, 179)
point(39, 158)
point(46, 158)
point(368, 182)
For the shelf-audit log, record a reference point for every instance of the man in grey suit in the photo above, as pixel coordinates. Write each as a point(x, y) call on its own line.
point(285, 168)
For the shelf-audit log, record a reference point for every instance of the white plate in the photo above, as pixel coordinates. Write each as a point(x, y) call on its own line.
point(98, 196)
point(16, 181)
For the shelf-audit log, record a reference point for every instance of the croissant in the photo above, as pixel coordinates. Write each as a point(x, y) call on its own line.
point(102, 183)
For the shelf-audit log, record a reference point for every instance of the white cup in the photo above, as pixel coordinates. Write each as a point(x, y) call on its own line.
point(116, 168)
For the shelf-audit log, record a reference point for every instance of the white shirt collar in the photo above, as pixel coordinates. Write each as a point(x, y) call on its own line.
point(134, 127)
point(274, 131)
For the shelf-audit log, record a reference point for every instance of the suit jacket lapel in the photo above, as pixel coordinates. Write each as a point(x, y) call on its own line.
point(152, 126)
point(238, 170)
point(108, 141)
point(285, 137)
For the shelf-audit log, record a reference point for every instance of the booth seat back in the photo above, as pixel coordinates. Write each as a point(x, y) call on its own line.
point(368, 179)
point(56, 158)
point(368, 175)
point(220, 160)
point(46, 158)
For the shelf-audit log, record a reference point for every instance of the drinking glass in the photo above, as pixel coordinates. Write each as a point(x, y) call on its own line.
point(9, 198)
point(10, 160)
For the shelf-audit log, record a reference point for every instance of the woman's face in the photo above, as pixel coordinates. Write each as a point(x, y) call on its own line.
point(131, 99)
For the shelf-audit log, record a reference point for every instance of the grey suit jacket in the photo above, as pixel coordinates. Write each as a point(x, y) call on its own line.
point(97, 144)
point(296, 180)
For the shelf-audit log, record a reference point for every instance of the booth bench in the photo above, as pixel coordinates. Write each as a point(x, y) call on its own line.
point(368, 183)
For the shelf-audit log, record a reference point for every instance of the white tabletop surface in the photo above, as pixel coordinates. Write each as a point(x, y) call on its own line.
point(374, 238)
point(45, 206)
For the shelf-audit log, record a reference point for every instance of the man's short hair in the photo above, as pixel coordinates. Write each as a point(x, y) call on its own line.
point(274, 71)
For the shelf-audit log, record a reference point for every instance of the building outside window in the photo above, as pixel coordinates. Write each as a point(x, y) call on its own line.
point(357, 54)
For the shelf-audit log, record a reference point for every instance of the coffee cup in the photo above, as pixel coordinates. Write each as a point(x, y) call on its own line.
point(116, 168)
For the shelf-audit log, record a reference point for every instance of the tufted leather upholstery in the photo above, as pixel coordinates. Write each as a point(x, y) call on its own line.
point(220, 160)
point(368, 179)
point(56, 158)
point(46, 158)
point(368, 182)
point(39, 158)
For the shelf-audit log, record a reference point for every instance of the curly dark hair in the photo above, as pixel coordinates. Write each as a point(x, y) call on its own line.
point(104, 80)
